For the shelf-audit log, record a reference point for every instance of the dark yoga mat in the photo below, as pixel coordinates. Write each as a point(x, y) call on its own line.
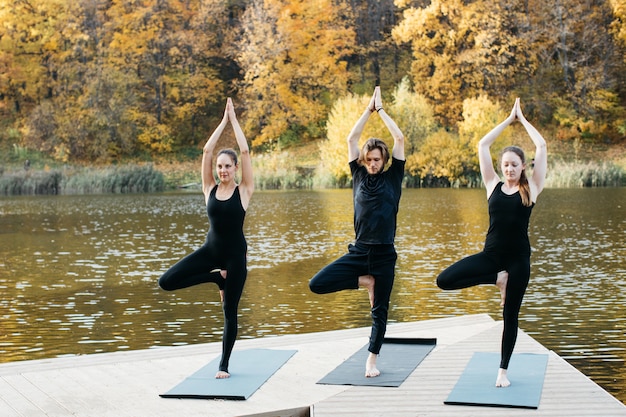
point(398, 358)
point(249, 369)
point(476, 386)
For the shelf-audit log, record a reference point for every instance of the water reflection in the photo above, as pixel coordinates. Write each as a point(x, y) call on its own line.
point(78, 273)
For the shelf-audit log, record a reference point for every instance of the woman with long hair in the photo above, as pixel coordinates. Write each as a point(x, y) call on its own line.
point(222, 258)
point(505, 259)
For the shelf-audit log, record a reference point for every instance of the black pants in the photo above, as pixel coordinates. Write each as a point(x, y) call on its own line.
point(483, 268)
point(343, 274)
point(195, 269)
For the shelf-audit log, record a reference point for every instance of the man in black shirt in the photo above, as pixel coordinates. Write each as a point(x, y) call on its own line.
point(371, 259)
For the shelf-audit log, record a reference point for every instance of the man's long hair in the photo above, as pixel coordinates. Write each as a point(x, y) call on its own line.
point(370, 145)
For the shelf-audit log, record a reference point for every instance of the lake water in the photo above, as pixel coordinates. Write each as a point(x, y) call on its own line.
point(78, 273)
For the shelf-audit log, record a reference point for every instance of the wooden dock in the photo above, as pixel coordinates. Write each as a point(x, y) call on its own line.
point(128, 384)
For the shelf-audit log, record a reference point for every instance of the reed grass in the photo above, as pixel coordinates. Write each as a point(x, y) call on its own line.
point(124, 179)
point(30, 183)
point(115, 180)
point(277, 171)
point(590, 174)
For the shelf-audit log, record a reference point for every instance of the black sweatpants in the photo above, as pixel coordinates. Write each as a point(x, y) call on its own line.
point(343, 274)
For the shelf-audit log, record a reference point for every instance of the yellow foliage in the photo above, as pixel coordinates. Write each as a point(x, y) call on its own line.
point(442, 155)
point(413, 114)
point(281, 39)
point(619, 24)
point(61, 153)
point(462, 49)
point(156, 138)
point(334, 150)
point(480, 115)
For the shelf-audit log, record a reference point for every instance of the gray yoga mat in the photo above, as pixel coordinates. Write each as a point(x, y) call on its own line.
point(476, 386)
point(398, 358)
point(249, 369)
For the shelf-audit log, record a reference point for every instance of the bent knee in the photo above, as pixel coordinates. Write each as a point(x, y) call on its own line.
point(443, 283)
point(165, 285)
point(440, 283)
point(315, 287)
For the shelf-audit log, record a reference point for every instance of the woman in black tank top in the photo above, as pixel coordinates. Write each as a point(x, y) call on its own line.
point(222, 258)
point(505, 259)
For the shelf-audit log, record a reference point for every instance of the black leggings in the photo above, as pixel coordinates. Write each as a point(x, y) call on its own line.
point(196, 268)
point(343, 274)
point(483, 268)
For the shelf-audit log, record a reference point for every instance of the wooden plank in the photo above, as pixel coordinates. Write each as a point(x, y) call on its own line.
point(6, 410)
point(128, 383)
point(425, 390)
point(58, 387)
point(16, 401)
point(39, 398)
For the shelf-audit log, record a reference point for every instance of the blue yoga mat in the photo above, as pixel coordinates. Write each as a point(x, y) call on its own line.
point(476, 386)
point(398, 358)
point(249, 369)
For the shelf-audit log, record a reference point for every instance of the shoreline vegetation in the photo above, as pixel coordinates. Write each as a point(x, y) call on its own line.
point(279, 172)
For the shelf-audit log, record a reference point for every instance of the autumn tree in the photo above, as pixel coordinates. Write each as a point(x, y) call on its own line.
point(618, 26)
point(377, 58)
point(578, 79)
point(461, 49)
point(618, 30)
point(414, 113)
point(29, 42)
point(292, 54)
point(46, 47)
point(169, 46)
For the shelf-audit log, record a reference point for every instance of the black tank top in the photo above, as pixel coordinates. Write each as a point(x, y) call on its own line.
point(226, 219)
point(508, 223)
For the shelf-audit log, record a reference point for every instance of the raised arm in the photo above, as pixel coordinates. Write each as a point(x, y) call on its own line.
point(357, 130)
point(208, 180)
point(537, 180)
point(396, 133)
point(487, 170)
point(246, 187)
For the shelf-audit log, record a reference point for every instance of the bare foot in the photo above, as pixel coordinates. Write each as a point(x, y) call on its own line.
point(502, 381)
point(222, 375)
point(370, 366)
point(368, 282)
point(503, 278)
